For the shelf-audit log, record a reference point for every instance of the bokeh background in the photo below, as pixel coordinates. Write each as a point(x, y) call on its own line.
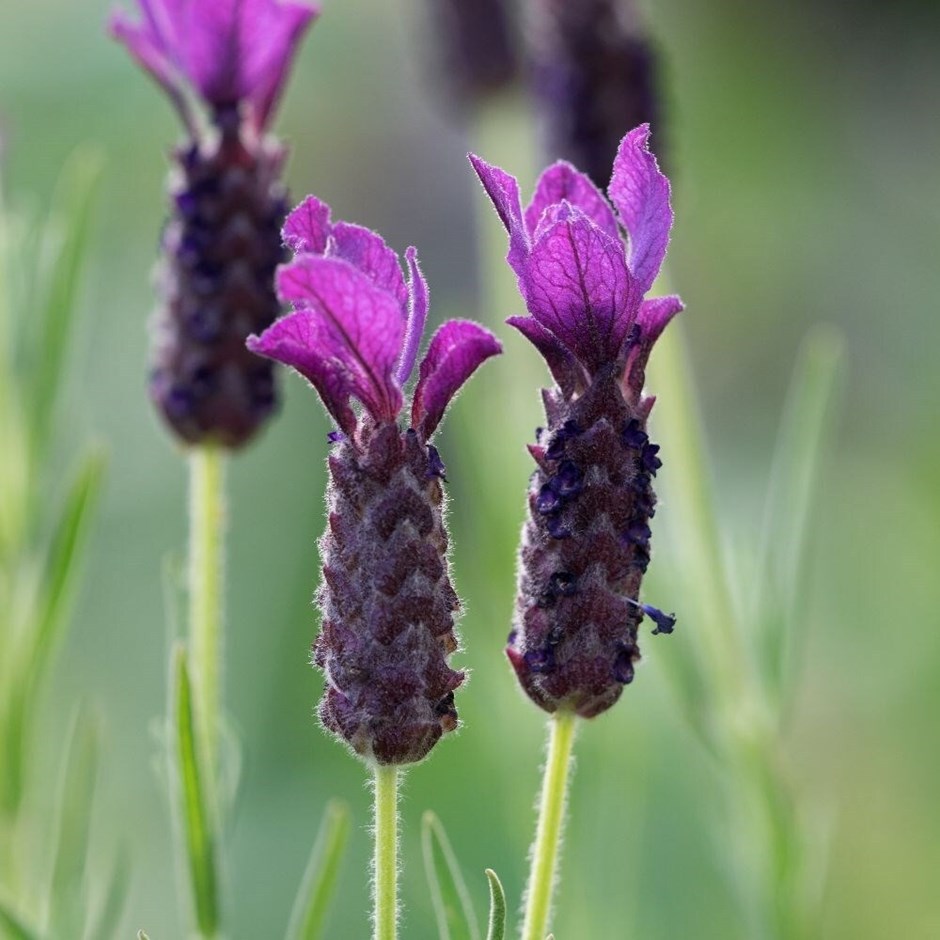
point(805, 147)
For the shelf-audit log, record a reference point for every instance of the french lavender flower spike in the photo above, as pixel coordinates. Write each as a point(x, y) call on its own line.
point(222, 243)
point(586, 542)
point(387, 601)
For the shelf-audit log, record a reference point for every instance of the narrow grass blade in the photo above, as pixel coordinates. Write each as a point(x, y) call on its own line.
point(193, 805)
point(65, 246)
point(452, 906)
point(497, 924)
point(76, 796)
point(319, 882)
point(55, 595)
point(12, 926)
point(108, 918)
point(800, 445)
point(65, 551)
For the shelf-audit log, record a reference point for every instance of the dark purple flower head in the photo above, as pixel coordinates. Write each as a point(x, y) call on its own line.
point(587, 539)
point(357, 325)
point(222, 242)
point(228, 52)
point(595, 75)
point(387, 601)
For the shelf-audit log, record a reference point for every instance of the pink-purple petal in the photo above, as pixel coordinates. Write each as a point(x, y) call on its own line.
point(148, 48)
point(418, 303)
point(652, 319)
point(238, 48)
point(655, 314)
point(576, 284)
point(291, 26)
point(561, 181)
point(457, 349)
point(565, 369)
point(503, 191)
point(307, 227)
point(367, 251)
point(641, 194)
point(362, 326)
point(297, 340)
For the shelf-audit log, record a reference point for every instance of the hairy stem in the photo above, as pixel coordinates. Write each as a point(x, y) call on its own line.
point(551, 821)
point(385, 863)
point(206, 551)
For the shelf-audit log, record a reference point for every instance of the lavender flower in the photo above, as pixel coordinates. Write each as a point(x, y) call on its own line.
point(222, 243)
point(595, 76)
point(387, 601)
point(474, 48)
point(586, 543)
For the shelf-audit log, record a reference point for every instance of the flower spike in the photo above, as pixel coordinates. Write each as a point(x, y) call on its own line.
point(388, 604)
point(586, 543)
point(221, 245)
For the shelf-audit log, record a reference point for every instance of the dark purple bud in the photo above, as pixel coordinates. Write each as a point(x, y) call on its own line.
point(557, 528)
point(633, 434)
point(623, 667)
point(548, 500)
point(650, 461)
point(435, 465)
point(336, 437)
point(567, 481)
point(639, 533)
point(540, 660)
point(562, 584)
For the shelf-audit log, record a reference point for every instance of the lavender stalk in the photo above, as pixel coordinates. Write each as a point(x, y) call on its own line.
point(223, 66)
point(586, 542)
point(388, 606)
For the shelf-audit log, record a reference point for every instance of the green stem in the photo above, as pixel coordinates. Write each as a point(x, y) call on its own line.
point(206, 550)
point(551, 822)
point(386, 852)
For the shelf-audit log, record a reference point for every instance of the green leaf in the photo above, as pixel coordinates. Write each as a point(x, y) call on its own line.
point(55, 595)
point(800, 444)
point(12, 926)
point(452, 906)
point(497, 925)
point(193, 807)
point(319, 881)
point(65, 247)
point(112, 906)
point(65, 551)
point(76, 797)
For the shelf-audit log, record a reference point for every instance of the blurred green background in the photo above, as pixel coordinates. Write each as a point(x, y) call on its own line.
point(805, 147)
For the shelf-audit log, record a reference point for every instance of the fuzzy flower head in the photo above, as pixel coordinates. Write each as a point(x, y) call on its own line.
point(584, 267)
point(357, 326)
point(388, 605)
point(227, 52)
point(222, 242)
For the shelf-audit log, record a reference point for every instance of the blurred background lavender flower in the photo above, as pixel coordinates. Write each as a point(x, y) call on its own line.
point(222, 242)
